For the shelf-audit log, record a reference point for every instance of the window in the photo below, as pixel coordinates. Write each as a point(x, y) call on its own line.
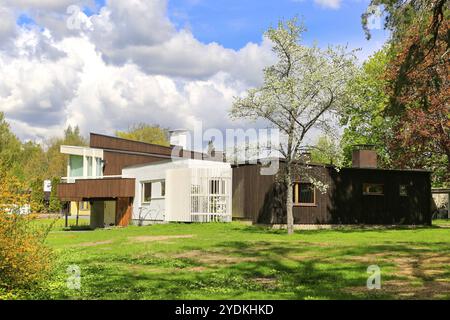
point(153, 190)
point(373, 189)
point(84, 205)
point(163, 188)
point(89, 166)
point(304, 194)
point(99, 167)
point(146, 192)
point(75, 166)
point(403, 190)
point(214, 185)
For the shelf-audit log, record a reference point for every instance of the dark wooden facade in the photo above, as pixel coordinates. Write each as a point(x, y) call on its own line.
point(261, 199)
point(96, 188)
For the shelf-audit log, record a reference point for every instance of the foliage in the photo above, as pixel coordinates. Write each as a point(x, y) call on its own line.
point(146, 133)
point(416, 83)
point(9, 148)
point(301, 91)
point(30, 163)
point(420, 97)
point(365, 120)
point(57, 162)
point(13, 193)
point(326, 150)
point(55, 204)
point(37, 196)
point(24, 258)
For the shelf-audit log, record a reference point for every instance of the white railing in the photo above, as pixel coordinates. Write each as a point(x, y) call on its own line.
point(74, 179)
point(210, 198)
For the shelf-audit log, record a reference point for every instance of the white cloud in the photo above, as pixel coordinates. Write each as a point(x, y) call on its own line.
point(332, 4)
point(7, 25)
point(127, 67)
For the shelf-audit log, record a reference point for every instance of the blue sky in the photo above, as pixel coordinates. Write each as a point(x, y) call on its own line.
point(233, 23)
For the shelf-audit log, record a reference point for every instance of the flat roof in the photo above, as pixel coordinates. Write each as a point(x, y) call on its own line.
point(314, 164)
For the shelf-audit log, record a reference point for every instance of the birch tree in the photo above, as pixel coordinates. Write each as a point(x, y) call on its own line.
point(302, 91)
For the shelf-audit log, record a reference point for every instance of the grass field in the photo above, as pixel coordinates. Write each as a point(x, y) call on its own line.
point(235, 261)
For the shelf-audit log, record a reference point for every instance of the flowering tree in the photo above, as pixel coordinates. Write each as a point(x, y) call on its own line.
point(301, 91)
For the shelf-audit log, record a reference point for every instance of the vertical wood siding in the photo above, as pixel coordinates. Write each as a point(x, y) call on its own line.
point(262, 200)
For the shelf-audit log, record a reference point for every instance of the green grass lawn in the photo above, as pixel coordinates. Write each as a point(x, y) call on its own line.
point(235, 261)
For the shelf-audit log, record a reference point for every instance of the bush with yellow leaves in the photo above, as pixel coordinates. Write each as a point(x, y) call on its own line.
point(25, 260)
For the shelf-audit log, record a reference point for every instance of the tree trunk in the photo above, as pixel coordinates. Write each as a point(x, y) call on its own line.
point(289, 202)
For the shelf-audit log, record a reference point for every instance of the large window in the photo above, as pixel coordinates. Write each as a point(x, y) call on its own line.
point(153, 190)
point(373, 189)
point(76, 166)
point(304, 194)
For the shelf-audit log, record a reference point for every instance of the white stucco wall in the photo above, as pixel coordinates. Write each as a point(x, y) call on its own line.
point(156, 209)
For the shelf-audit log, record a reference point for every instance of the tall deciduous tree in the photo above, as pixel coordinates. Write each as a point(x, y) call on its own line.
point(146, 133)
point(365, 121)
point(418, 84)
point(299, 93)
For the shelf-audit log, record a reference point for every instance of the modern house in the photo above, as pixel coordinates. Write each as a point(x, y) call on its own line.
point(134, 182)
point(362, 194)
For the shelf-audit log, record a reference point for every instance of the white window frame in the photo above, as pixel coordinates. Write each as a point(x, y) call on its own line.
point(153, 197)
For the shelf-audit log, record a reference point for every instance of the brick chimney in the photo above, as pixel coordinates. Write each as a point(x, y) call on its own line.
point(364, 156)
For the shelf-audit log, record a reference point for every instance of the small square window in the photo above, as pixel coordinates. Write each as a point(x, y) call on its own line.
point(373, 189)
point(303, 193)
point(403, 190)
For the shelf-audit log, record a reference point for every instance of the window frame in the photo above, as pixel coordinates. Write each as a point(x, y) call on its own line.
point(304, 204)
point(372, 193)
point(152, 196)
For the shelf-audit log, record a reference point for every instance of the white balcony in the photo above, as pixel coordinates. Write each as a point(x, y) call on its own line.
point(83, 163)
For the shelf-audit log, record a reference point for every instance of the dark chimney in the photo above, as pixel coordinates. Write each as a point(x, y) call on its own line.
point(364, 156)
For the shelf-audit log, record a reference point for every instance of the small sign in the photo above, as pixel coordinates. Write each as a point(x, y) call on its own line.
point(47, 186)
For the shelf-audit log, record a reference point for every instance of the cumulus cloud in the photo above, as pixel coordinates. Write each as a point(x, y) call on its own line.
point(120, 67)
point(7, 25)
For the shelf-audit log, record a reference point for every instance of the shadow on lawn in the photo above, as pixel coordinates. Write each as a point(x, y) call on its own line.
point(267, 270)
point(261, 229)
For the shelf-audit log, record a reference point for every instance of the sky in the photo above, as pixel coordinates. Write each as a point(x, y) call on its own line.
point(106, 64)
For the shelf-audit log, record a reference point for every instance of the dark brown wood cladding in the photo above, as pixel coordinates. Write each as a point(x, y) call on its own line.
point(96, 188)
point(120, 153)
point(114, 143)
point(261, 199)
point(116, 161)
point(106, 142)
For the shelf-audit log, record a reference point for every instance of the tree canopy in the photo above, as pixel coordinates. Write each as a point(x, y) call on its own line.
point(146, 133)
point(302, 91)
